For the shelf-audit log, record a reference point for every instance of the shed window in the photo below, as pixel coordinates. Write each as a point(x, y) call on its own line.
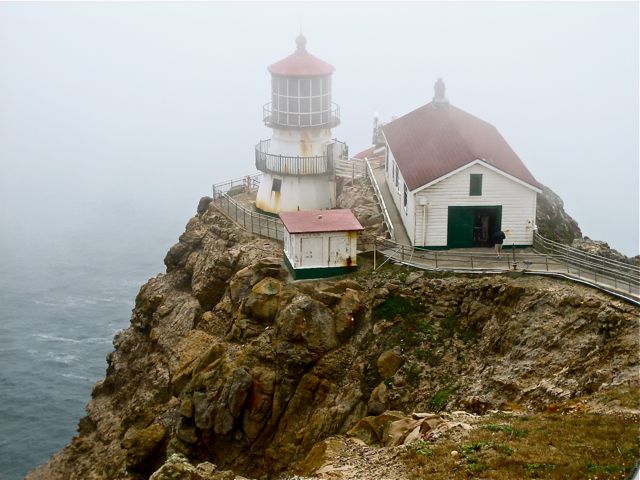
point(475, 185)
point(275, 186)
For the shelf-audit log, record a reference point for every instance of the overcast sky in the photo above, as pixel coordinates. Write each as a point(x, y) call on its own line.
point(144, 105)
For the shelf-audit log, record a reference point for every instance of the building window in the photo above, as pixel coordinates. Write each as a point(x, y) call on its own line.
point(275, 186)
point(404, 198)
point(395, 176)
point(475, 185)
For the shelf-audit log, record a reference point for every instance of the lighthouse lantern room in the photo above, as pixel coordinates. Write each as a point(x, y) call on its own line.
point(297, 162)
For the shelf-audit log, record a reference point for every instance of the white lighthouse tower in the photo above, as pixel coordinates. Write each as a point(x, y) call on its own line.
point(297, 163)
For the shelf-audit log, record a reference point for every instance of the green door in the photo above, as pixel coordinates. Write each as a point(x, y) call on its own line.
point(460, 227)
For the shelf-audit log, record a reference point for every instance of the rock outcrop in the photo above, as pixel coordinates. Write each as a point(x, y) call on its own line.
point(230, 369)
point(552, 221)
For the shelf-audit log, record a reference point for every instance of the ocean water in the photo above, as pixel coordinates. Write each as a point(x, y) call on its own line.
point(64, 292)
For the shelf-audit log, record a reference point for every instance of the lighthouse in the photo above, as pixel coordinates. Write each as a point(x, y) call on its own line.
point(298, 161)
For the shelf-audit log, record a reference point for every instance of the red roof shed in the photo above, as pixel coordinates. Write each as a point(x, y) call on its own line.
point(318, 221)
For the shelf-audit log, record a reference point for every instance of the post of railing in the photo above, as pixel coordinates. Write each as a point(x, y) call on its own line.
point(471, 259)
point(402, 252)
point(436, 256)
point(374, 252)
point(546, 260)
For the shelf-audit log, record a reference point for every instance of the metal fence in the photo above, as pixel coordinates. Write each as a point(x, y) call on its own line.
point(379, 197)
point(250, 220)
point(546, 256)
point(350, 168)
point(587, 265)
point(619, 278)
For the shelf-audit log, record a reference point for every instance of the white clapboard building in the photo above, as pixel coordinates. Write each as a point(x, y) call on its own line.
point(455, 180)
point(320, 243)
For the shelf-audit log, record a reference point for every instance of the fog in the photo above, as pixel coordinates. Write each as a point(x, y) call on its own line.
point(135, 109)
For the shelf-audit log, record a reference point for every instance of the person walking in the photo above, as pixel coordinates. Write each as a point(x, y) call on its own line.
point(497, 239)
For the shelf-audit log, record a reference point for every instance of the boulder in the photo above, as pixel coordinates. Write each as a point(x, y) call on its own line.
point(388, 363)
point(264, 300)
point(141, 444)
point(203, 204)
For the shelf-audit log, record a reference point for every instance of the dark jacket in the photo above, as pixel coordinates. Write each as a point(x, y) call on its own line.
point(498, 237)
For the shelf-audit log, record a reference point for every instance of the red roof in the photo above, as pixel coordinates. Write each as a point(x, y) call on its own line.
point(372, 152)
point(316, 221)
point(437, 139)
point(365, 153)
point(301, 63)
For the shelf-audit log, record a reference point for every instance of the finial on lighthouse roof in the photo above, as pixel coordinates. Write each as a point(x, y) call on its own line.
point(301, 43)
point(438, 93)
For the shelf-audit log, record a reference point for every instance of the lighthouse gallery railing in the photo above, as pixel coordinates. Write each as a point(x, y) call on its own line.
point(283, 164)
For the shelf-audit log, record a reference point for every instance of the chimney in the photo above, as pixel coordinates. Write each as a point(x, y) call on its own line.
point(438, 93)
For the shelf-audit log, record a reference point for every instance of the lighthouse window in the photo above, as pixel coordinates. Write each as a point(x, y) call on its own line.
point(316, 86)
point(305, 105)
point(293, 105)
point(282, 85)
point(305, 87)
point(276, 185)
point(293, 88)
point(315, 104)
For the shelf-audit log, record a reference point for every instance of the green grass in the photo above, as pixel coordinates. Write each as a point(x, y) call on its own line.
point(396, 305)
point(538, 445)
point(440, 398)
point(506, 428)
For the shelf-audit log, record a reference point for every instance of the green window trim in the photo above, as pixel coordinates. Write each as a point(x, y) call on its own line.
point(475, 184)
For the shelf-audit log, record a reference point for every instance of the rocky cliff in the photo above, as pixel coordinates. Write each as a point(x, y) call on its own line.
point(231, 369)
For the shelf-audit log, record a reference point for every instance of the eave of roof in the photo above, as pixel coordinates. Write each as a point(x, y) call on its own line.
point(301, 64)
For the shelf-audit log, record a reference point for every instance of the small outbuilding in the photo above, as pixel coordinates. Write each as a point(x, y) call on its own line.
point(320, 243)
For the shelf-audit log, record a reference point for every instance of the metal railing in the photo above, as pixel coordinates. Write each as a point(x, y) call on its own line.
point(587, 265)
point(545, 258)
point(351, 168)
point(283, 164)
point(378, 195)
point(251, 221)
point(623, 285)
point(328, 118)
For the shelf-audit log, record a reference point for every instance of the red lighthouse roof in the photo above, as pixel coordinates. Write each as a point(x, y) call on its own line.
point(301, 63)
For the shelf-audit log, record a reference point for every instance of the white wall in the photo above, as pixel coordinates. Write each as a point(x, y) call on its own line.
point(300, 142)
point(310, 192)
point(518, 205)
point(316, 250)
point(408, 215)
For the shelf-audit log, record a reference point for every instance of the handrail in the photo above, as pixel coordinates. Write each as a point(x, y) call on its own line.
point(376, 188)
point(608, 279)
point(611, 276)
point(250, 182)
point(577, 251)
point(254, 222)
point(595, 264)
point(292, 165)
